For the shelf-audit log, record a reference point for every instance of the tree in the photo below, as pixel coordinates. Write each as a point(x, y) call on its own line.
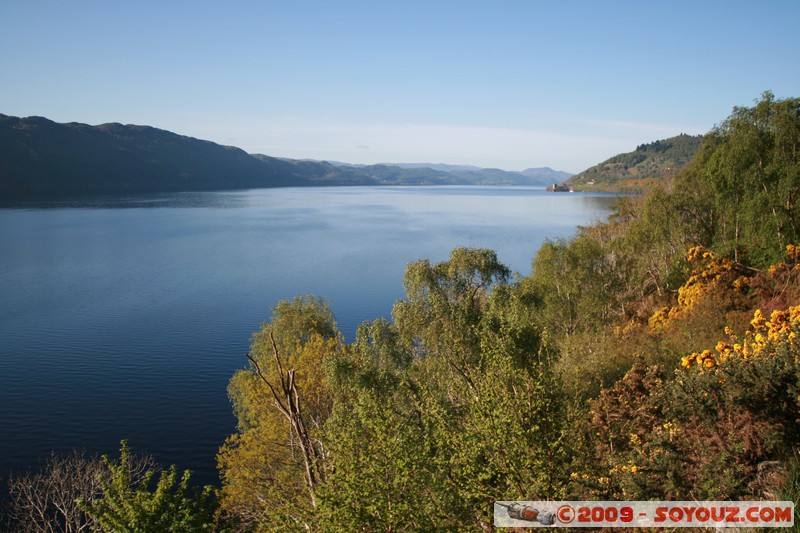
point(439, 318)
point(385, 470)
point(507, 442)
point(575, 282)
point(271, 468)
point(448, 409)
point(47, 500)
point(750, 167)
point(128, 504)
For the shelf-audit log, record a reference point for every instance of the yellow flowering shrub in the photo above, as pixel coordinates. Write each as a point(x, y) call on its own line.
point(793, 254)
point(703, 429)
point(790, 264)
point(765, 337)
point(671, 429)
point(667, 434)
point(659, 320)
point(626, 330)
point(707, 271)
point(710, 275)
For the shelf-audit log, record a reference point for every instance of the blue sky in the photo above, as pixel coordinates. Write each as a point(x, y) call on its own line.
point(507, 84)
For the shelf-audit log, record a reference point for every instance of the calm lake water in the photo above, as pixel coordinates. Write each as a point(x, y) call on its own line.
point(125, 319)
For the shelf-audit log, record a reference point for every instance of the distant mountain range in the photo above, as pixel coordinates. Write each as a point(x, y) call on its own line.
point(635, 171)
point(41, 159)
point(540, 175)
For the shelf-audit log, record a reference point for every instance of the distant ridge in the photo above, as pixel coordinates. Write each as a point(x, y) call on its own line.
point(438, 166)
point(42, 159)
point(546, 174)
point(635, 171)
point(476, 175)
point(537, 176)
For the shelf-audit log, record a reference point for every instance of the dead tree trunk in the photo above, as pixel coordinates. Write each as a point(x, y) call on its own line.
point(287, 400)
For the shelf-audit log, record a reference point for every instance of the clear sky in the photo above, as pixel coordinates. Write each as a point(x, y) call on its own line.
point(494, 83)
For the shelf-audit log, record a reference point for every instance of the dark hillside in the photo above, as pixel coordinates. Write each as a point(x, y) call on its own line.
point(40, 158)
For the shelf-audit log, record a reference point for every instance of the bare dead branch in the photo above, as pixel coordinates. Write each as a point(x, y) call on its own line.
point(287, 401)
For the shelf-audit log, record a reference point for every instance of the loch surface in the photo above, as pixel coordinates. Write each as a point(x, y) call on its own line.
point(125, 318)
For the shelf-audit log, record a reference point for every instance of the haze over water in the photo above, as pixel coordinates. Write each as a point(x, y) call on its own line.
point(124, 319)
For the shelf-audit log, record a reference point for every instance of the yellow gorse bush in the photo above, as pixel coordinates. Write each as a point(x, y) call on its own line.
point(782, 329)
point(709, 273)
point(793, 254)
point(792, 261)
point(712, 273)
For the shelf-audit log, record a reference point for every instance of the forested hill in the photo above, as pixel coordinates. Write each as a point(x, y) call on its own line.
point(42, 159)
point(637, 170)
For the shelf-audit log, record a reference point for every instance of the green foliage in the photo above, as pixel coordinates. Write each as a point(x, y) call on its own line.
point(451, 407)
point(131, 506)
point(749, 168)
point(508, 439)
point(384, 472)
point(294, 323)
point(661, 228)
point(509, 327)
point(573, 281)
point(654, 434)
point(738, 198)
point(439, 318)
point(784, 485)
